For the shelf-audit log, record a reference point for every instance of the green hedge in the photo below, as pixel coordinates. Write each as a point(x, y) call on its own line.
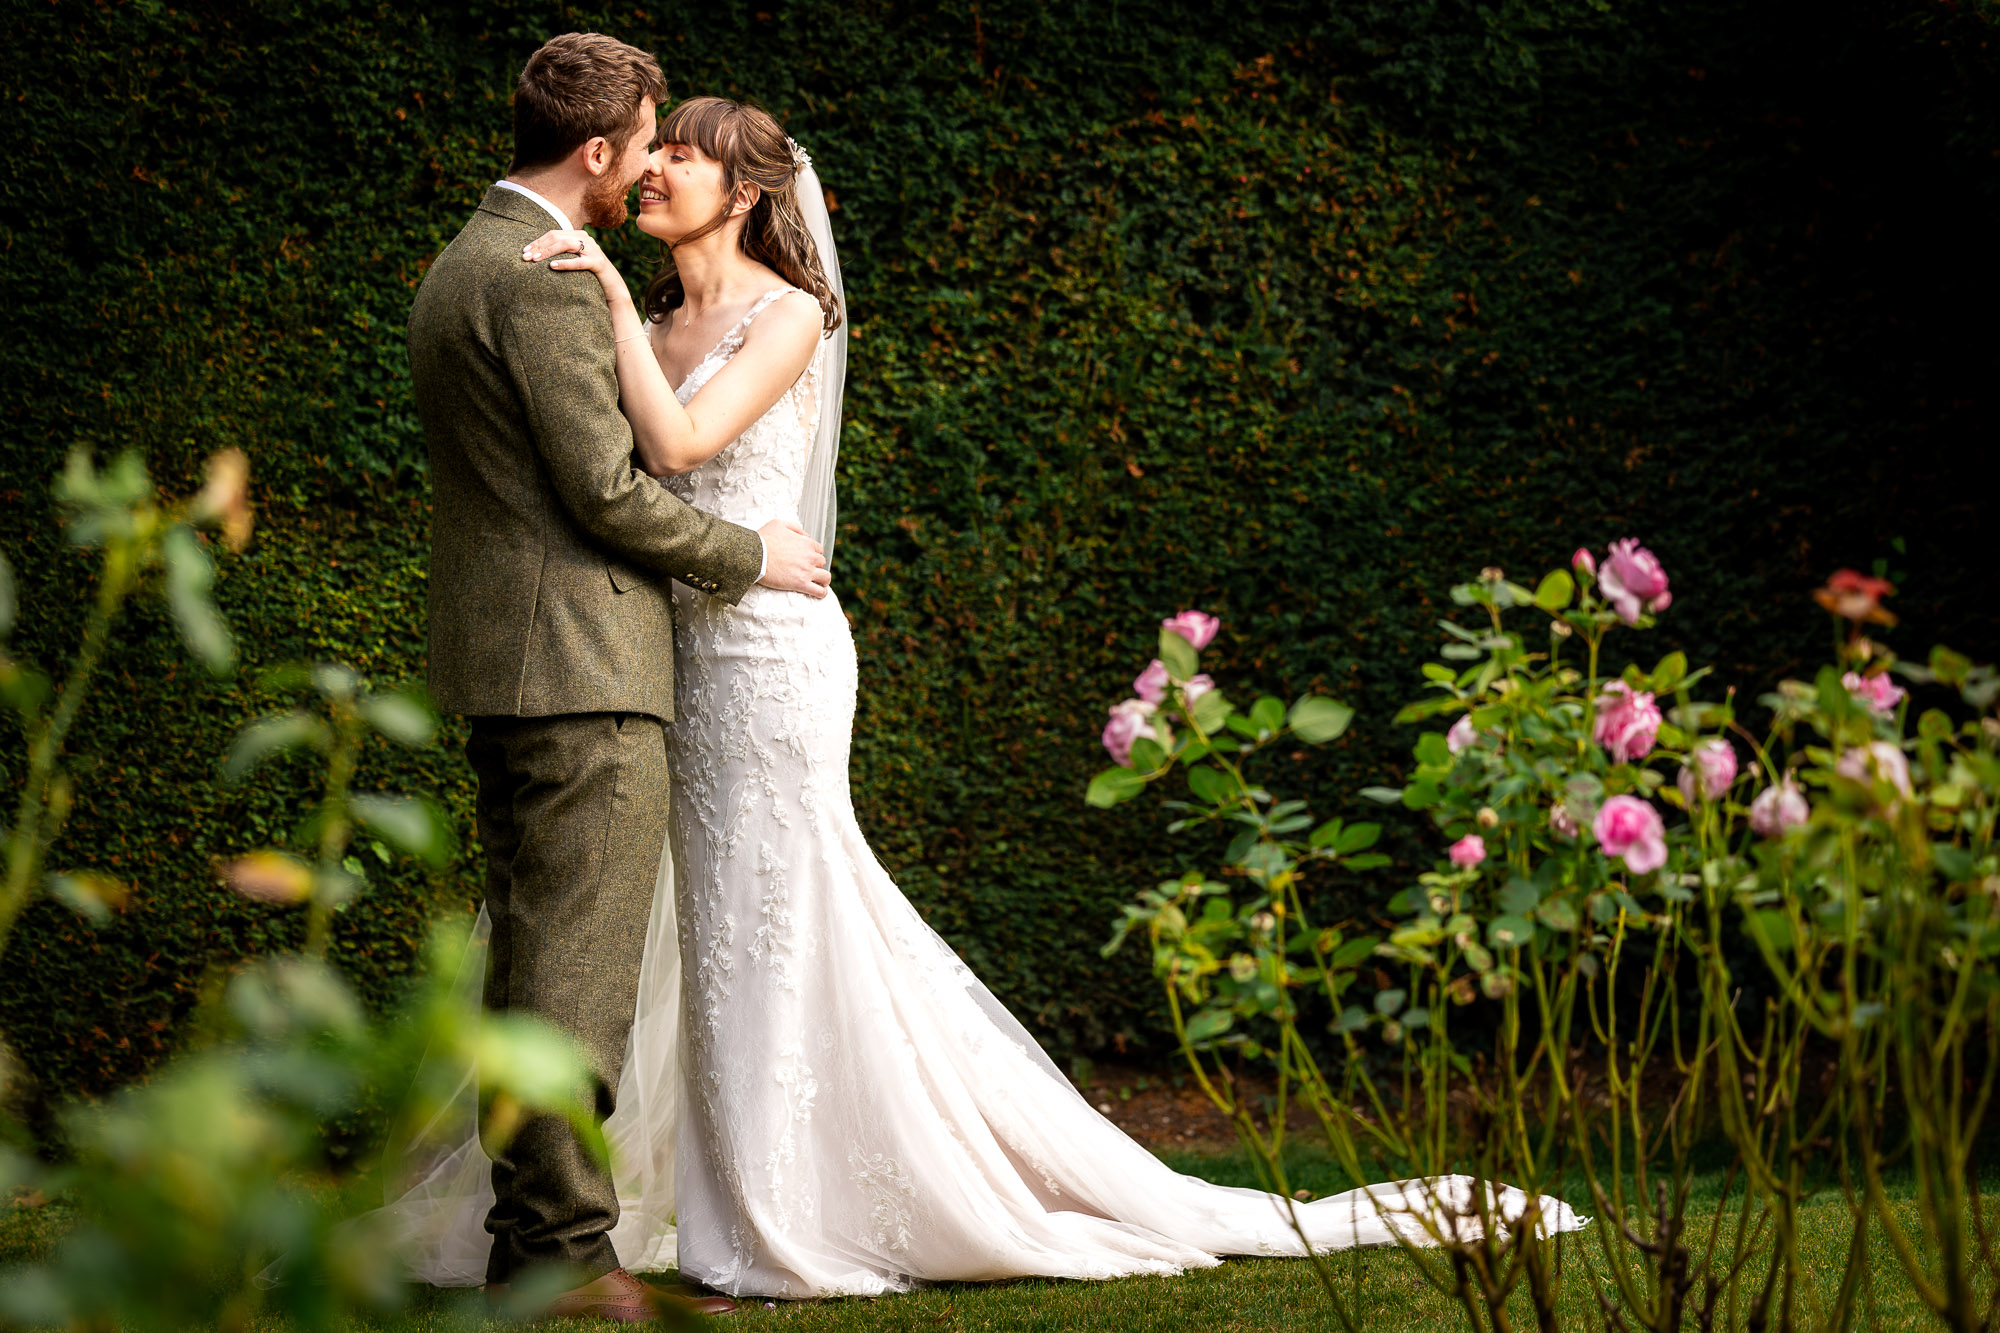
point(1293, 312)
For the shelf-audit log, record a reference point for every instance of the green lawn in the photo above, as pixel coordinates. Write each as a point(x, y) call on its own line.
point(1243, 1294)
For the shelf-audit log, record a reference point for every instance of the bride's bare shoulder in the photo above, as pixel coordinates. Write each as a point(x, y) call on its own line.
point(793, 318)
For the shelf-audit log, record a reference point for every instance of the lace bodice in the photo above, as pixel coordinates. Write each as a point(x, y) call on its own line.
point(761, 474)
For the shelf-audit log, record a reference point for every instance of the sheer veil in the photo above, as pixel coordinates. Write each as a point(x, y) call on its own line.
point(818, 508)
point(439, 1184)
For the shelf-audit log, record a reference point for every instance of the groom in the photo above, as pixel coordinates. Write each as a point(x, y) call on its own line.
point(550, 619)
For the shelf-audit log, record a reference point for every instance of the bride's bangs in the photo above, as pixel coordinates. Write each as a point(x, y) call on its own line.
point(706, 124)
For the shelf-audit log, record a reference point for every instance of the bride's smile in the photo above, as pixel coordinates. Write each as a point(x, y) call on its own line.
point(681, 194)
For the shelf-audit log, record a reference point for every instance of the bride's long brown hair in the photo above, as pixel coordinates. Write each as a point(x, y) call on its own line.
point(752, 151)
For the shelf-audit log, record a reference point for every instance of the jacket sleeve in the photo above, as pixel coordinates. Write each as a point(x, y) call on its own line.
point(558, 351)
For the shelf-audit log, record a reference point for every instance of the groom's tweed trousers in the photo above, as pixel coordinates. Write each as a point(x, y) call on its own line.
point(572, 814)
point(550, 623)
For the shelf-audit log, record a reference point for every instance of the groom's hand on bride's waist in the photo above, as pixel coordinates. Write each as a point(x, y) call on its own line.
point(793, 561)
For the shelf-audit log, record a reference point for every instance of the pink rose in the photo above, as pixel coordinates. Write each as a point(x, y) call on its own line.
point(1633, 580)
point(1714, 763)
point(1878, 692)
point(1779, 808)
point(1151, 684)
point(1129, 721)
point(1562, 821)
point(1627, 722)
point(1583, 562)
point(1197, 627)
point(1630, 828)
point(1462, 736)
point(1468, 851)
point(1877, 761)
point(1198, 686)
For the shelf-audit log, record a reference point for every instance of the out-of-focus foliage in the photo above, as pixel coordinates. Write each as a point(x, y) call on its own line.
point(143, 544)
point(196, 1188)
point(207, 1195)
point(1245, 305)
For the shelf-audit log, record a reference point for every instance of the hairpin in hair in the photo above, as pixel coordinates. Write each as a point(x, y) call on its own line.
point(800, 159)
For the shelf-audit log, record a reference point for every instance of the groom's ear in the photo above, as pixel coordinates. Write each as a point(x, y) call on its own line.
point(597, 155)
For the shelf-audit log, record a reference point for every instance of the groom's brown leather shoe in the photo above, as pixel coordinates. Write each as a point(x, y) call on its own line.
point(624, 1299)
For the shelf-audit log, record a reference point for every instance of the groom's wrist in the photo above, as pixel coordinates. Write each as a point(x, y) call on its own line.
point(764, 558)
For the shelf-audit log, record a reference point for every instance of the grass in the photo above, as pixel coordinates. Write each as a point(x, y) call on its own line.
point(1243, 1294)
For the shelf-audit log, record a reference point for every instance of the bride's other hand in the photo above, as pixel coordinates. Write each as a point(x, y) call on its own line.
point(567, 250)
point(793, 561)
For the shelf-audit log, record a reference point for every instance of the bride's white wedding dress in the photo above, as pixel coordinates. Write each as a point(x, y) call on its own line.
point(821, 1091)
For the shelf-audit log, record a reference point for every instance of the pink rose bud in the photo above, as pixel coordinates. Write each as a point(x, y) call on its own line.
point(1129, 721)
point(1197, 627)
point(1628, 721)
point(1468, 851)
point(1151, 684)
point(1633, 580)
point(1629, 828)
point(1198, 686)
point(1461, 736)
point(1583, 562)
point(1877, 692)
point(1779, 808)
point(1876, 761)
point(1713, 763)
point(1562, 821)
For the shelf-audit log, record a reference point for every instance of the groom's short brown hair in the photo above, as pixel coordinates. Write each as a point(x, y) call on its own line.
point(579, 86)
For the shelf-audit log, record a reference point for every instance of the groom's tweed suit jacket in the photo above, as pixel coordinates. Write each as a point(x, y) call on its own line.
point(550, 551)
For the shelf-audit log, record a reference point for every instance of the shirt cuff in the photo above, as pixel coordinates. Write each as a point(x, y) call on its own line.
point(764, 560)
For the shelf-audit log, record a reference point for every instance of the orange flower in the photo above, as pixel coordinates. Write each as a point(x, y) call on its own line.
point(270, 877)
point(225, 500)
point(1855, 596)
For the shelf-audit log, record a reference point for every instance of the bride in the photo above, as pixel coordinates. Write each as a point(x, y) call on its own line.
point(818, 1090)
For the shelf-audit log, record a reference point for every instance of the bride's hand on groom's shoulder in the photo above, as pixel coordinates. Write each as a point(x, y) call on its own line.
point(793, 561)
point(565, 251)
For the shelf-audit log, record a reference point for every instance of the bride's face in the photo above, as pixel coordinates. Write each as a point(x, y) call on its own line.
point(681, 192)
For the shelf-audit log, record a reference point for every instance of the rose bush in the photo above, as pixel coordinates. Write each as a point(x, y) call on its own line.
point(1580, 891)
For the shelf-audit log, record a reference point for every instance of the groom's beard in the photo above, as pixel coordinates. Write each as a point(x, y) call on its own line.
point(604, 203)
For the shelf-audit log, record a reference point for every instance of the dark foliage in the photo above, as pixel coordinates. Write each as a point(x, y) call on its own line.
point(1294, 312)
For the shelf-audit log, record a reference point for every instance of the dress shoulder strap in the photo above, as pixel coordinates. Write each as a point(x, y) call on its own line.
point(733, 340)
point(757, 306)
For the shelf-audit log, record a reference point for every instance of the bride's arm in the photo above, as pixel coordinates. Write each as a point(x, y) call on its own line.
point(669, 437)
